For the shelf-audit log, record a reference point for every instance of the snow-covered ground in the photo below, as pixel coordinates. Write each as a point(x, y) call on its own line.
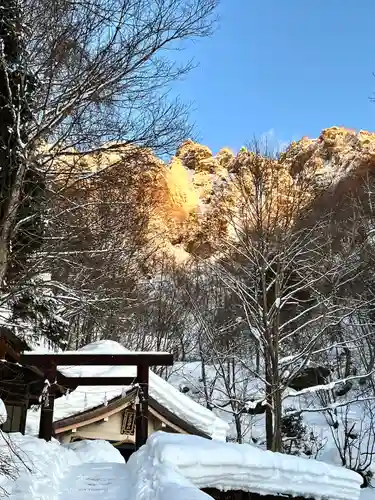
point(169, 466)
point(85, 398)
point(50, 471)
point(187, 378)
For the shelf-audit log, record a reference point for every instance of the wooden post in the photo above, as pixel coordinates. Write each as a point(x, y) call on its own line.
point(3, 347)
point(46, 419)
point(46, 413)
point(24, 409)
point(141, 422)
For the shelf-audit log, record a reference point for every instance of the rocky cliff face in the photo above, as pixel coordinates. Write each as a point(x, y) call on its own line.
point(311, 178)
point(194, 199)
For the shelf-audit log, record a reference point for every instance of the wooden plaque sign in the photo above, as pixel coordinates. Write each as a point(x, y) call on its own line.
point(128, 421)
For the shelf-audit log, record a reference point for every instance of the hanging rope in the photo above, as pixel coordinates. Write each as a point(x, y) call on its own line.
point(44, 396)
point(137, 398)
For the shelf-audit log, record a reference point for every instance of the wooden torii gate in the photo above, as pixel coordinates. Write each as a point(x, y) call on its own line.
point(48, 364)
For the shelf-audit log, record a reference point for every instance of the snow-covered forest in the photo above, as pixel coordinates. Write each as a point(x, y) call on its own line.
point(254, 268)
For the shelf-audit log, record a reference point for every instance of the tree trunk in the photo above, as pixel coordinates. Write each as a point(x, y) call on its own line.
point(237, 421)
point(276, 386)
point(269, 400)
point(277, 414)
point(8, 221)
point(17, 194)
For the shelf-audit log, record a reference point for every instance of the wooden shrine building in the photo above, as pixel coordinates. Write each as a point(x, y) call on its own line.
point(115, 421)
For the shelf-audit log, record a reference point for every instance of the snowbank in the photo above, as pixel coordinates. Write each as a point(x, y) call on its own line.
point(95, 451)
point(85, 398)
point(39, 467)
point(151, 480)
point(226, 466)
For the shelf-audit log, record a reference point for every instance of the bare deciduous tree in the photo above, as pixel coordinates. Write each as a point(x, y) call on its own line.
point(106, 69)
point(290, 284)
point(94, 76)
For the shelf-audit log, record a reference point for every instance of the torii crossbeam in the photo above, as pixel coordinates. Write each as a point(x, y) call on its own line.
point(48, 364)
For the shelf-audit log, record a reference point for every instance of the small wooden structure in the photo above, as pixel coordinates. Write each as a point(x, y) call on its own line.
point(20, 386)
point(114, 421)
point(48, 363)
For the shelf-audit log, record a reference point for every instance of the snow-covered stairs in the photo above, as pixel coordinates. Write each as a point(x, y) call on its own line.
point(96, 481)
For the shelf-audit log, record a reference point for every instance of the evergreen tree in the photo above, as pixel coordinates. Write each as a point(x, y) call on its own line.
point(22, 187)
point(20, 183)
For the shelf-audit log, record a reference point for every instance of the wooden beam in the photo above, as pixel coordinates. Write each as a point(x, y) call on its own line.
point(13, 353)
point(165, 421)
point(3, 347)
point(7, 350)
point(85, 381)
point(68, 359)
point(92, 417)
point(141, 419)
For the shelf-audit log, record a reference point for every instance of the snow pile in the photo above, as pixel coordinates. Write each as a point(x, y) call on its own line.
point(152, 480)
point(85, 398)
point(95, 451)
point(367, 494)
point(188, 377)
point(40, 467)
point(227, 466)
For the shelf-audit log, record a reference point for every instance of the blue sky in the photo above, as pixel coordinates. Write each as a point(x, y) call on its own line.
point(285, 67)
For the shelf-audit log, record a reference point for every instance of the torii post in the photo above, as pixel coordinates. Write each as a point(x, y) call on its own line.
point(48, 364)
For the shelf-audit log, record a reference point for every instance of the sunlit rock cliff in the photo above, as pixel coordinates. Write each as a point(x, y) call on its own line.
point(193, 200)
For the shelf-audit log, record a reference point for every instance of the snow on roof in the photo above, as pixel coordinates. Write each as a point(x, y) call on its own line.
point(85, 398)
point(229, 466)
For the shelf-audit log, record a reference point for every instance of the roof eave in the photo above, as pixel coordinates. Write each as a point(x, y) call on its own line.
point(101, 410)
